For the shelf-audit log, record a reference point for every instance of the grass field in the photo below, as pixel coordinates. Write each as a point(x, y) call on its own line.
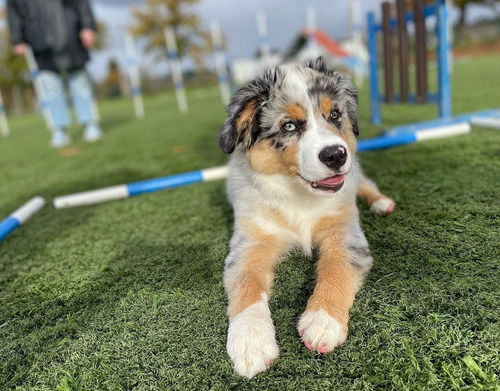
point(129, 295)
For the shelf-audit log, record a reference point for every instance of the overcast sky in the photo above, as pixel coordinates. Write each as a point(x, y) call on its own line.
point(237, 19)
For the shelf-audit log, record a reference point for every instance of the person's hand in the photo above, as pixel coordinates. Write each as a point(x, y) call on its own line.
point(20, 49)
point(87, 37)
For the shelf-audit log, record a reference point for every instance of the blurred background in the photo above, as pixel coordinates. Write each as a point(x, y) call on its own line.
point(476, 27)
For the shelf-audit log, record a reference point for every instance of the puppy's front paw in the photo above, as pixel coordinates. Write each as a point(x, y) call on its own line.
point(321, 332)
point(383, 207)
point(250, 340)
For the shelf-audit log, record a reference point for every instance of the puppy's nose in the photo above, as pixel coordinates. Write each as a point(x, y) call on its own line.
point(334, 156)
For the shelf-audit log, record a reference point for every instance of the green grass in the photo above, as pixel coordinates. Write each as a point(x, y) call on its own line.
point(129, 295)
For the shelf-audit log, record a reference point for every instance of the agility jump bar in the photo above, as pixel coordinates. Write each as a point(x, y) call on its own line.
point(20, 216)
point(442, 122)
point(415, 137)
point(141, 187)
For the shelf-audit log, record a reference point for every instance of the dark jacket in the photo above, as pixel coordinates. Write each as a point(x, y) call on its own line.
point(51, 28)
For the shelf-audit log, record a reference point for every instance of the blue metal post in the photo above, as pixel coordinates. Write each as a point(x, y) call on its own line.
point(374, 88)
point(442, 59)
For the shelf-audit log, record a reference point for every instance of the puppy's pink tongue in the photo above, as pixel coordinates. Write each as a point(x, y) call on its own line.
point(334, 180)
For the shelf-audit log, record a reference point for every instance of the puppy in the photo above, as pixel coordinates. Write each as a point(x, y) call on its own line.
point(293, 180)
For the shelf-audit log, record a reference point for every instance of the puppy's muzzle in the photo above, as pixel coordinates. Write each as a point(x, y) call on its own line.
point(333, 157)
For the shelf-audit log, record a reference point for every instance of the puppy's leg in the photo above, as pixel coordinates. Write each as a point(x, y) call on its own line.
point(248, 279)
point(344, 260)
point(379, 203)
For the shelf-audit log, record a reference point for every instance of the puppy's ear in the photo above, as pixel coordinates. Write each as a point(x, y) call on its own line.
point(243, 114)
point(317, 65)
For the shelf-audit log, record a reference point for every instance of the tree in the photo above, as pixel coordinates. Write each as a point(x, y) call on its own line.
point(101, 36)
point(12, 68)
point(462, 5)
point(152, 19)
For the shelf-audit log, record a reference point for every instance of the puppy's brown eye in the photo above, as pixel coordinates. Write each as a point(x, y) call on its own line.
point(335, 114)
point(289, 127)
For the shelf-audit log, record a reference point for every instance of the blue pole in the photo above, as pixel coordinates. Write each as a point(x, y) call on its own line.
point(374, 90)
point(385, 142)
point(442, 58)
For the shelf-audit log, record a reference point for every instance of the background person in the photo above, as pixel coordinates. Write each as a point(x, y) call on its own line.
point(60, 32)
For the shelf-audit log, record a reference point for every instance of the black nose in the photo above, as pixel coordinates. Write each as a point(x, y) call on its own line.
point(334, 156)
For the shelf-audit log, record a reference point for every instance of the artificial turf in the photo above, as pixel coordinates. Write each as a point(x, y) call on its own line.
point(129, 294)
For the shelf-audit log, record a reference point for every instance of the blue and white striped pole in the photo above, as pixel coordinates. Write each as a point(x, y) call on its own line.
point(20, 216)
point(311, 31)
point(175, 69)
point(134, 76)
point(264, 46)
point(414, 137)
point(37, 84)
point(357, 40)
point(220, 63)
point(4, 125)
point(441, 122)
point(136, 188)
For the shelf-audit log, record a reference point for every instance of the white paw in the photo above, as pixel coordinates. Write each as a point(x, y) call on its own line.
point(250, 340)
point(320, 331)
point(383, 206)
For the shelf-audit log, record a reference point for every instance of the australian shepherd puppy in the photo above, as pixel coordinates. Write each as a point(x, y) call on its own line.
point(293, 180)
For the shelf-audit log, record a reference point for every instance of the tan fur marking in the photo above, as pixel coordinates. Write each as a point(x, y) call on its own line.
point(296, 111)
point(266, 159)
point(337, 281)
point(245, 118)
point(326, 105)
point(254, 274)
point(349, 136)
point(369, 192)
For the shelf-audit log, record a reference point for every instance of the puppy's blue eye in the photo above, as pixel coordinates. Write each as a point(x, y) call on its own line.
point(335, 114)
point(289, 127)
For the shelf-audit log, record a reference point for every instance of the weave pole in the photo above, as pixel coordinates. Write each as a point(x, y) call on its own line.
point(20, 216)
point(175, 69)
point(264, 46)
point(357, 38)
point(4, 125)
point(220, 63)
point(37, 84)
point(134, 75)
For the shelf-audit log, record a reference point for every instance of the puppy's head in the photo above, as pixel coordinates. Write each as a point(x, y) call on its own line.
point(296, 121)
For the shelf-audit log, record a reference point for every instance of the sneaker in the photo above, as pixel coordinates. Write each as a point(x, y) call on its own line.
point(59, 139)
point(92, 133)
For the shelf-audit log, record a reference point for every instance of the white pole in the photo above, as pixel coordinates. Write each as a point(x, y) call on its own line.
point(134, 75)
point(311, 29)
point(175, 69)
point(357, 40)
point(35, 78)
point(265, 47)
point(220, 63)
point(4, 125)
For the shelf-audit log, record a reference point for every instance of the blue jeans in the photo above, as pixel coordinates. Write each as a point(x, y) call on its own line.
point(81, 93)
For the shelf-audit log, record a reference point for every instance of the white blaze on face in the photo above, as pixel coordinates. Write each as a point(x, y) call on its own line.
point(317, 136)
point(313, 141)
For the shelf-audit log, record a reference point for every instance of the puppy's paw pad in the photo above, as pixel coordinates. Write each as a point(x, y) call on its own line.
point(383, 207)
point(320, 331)
point(250, 342)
